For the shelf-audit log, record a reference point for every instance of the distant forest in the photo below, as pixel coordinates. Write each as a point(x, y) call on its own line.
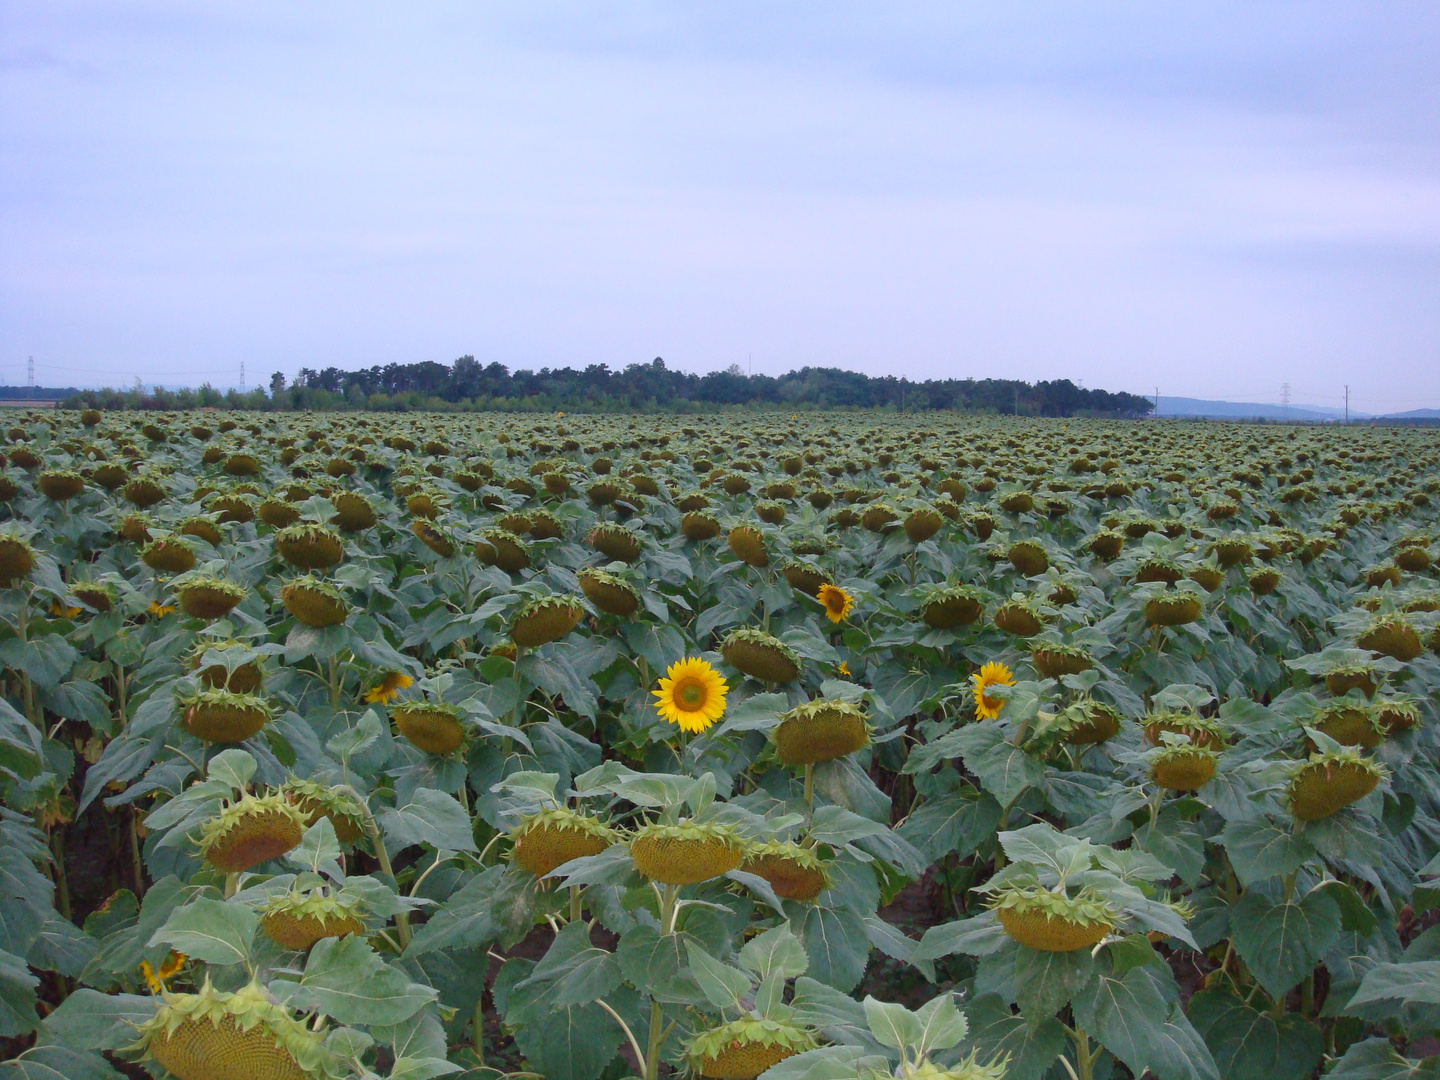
point(469, 385)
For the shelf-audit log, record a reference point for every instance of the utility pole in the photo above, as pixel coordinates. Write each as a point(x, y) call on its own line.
point(1285, 399)
point(1157, 402)
point(1347, 403)
point(32, 373)
point(242, 376)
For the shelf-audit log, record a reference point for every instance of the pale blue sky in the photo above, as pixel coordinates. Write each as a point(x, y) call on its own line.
point(1216, 198)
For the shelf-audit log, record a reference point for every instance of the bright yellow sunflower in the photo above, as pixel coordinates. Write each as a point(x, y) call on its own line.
point(843, 669)
point(692, 695)
point(991, 674)
point(837, 601)
point(389, 687)
point(61, 611)
point(156, 979)
point(160, 610)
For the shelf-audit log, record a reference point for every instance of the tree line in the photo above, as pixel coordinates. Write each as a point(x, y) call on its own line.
point(647, 387)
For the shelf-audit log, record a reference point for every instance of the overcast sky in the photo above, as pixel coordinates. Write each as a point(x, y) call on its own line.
point(1217, 198)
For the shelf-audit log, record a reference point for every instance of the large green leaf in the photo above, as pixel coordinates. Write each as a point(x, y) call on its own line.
point(997, 1032)
point(17, 996)
point(1259, 849)
point(345, 979)
point(1250, 1044)
point(215, 931)
point(1376, 1059)
point(58, 1063)
point(837, 945)
point(1418, 982)
point(1281, 943)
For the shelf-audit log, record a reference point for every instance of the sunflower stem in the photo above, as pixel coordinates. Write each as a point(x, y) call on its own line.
point(810, 786)
point(657, 1035)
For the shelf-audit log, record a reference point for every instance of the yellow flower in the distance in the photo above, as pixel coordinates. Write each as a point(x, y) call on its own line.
point(61, 611)
point(991, 674)
point(388, 687)
point(156, 979)
point(837, 601)
point(844, 669)
point(160, 610)
point(692, 695)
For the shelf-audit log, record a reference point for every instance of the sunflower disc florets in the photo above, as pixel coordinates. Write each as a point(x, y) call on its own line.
point(1183, 768)
point(1327, 783)
point(250, 831)
point(761, 656)
point(209, 597)
point(1391, 635)
point(616, 542)
point(1200, 730)
point(502, 548)
point(215, 1035)
point(955, 605)
point(686, 853)
point(794, 872)
point(1051, 921)
point(433, 726)
point(220, 716)
point(298, 920)
point(743, 1049)
point(314, 602)
point(309, 547)
point(1173, 608)
point(608, 592)
point(1053, 659)
point(315, 801)
point(544, 620)
point(553, 837)
point(820, 731)
point(169, 555)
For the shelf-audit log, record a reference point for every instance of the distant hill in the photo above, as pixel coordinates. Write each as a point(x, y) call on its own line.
point(1413, 414)
point(1249, 410)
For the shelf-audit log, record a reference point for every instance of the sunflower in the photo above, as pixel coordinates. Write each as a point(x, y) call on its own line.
point(156, 979)
point(388, 687)
point(692, 695)
point(63, 611)
point(991, 674)
point(843, 668)
point(837, 601)
point(160, 610)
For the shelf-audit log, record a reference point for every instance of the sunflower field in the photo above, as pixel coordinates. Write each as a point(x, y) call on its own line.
point(824, 747)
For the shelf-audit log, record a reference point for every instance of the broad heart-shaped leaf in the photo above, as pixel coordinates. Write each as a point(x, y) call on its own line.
point(997, 1032)
point(1401, 982)
point(1259, 849)
point(215, 931)
point(1126, 1014)
point(17, 996)
point(463, 921)
point(836, 942)
point(573, 971)
point(777, 950)
point(1376, 1059)
point(234, 766)
point(1003, 768)
point(1249, 1044)
point(1045, 981)
point(1282, 943)
point(346, 980)
point(58, 1063)
point(892, 1024)
point(659, 963)
point(319, 850)
point(723, 985)
point(62, 946)
point(828, 1063)
point(942, 1024)
point(573, 1042)
point(430, 817)
point(958, 821)
point(979, 936)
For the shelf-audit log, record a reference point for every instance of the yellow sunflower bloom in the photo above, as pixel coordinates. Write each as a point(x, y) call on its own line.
point(62, 611)
point(388, 687)
point(838, 603)
point(691, 695)
point(160, 610)
point(991, 674)
point(843, 669)
point(156, 979)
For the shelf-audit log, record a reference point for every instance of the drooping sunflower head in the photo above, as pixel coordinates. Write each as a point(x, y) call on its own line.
point(691, 695)
point(838, 603)
point(994, 673)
